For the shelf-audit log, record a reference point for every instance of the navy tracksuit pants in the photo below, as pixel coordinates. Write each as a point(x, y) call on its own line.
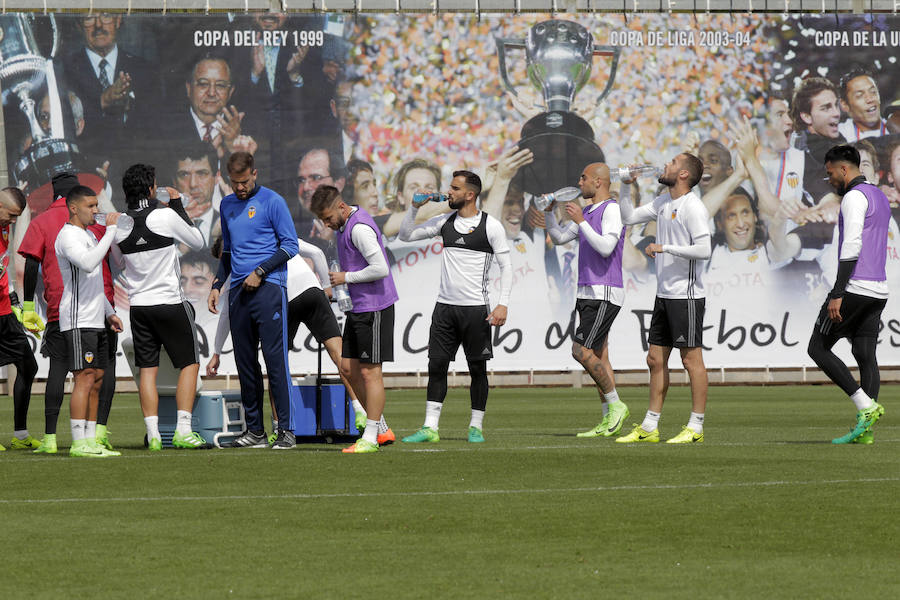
point(260, 317)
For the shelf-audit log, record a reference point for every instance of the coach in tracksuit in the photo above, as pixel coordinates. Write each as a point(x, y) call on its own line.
point(258, 238)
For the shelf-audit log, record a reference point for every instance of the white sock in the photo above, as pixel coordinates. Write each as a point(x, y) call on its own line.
point(183, 423)
point(357, 406)
point(371, 432)
point(433, 414)
point(274, 424)
point(695, 423)
point(477, 419)
point(21, 434)
point(861, 400)
point(152, 424)
point(651, 421)
point(382, 425)
point(77, 429)
point(90, 430)
point(611, 397)
point(604, 406)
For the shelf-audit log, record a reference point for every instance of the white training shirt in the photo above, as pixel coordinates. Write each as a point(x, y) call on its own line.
point(603, 241)
point(682, 228)
point(83, 304)
point(852, 132)
point(465, 273)
point(785, 173)
point(153, 277)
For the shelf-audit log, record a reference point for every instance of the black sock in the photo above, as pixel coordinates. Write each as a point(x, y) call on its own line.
point(53, 395)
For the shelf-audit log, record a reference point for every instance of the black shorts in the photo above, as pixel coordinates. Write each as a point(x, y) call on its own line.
point(13, 341)
point(167, 325)
point(313, 309)
point(595, 319)
point(455, 325)
point(677, 322)
point(861, 317)
point(87, 348)
point(53, 343)
point(369, 336)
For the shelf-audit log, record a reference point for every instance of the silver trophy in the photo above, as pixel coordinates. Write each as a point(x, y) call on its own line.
point(29, 81)
point(559, 57)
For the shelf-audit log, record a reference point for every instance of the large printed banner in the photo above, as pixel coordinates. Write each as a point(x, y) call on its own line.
point(383, 106)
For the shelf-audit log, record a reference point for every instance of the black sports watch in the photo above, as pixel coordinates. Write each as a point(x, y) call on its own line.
point(259, 272)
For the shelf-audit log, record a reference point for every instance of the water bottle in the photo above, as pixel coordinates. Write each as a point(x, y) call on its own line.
point(341, 293)
point(162, 195)
point(124, 222)
point(634, 172)
point(567, 194)
point(420, 198)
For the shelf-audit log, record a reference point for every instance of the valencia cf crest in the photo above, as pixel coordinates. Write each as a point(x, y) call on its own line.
point(251, 212)
point(89, 357)
point(674, 214)
point(752, 258)
point(793, 179)
point(6, 235)
point(520, 246)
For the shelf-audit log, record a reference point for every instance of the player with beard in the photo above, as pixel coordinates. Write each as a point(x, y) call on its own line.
point(368, 339)
point(600, 294)
point(854, 305)
point(682, 245)
point(462, 315)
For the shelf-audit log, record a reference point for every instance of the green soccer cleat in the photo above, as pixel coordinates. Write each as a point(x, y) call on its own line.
point(102, 437)
point(866, 438)
point(617, 414)
point(29, 443)
point(360, 421)
point(48, 445)
point(597, 431)
point(639, 435)
point(475, 435)
point(82, 449)
point(192, 441)
point(361, 447)
point(272, 437)
point(426, 434)
point(865, 419)
point(154, 445)
point(687, 436)
point(95, 444)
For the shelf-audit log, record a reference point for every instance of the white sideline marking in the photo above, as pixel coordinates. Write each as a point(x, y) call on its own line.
point(610, 488)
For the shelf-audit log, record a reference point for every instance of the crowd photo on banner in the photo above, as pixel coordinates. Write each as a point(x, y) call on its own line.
point(418, 128)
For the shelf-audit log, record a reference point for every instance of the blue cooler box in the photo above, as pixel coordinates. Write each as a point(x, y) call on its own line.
point(337, 413)
point(218, 417)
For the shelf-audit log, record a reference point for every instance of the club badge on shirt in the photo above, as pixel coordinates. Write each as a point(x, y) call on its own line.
point(89, 357)
point(674, 214)
point(251, 212)
point(793, 179)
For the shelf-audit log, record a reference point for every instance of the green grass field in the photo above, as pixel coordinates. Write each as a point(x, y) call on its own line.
point(765, 508)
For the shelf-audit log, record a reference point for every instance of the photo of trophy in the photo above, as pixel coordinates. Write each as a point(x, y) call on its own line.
point(28, 81)
point(559, 58)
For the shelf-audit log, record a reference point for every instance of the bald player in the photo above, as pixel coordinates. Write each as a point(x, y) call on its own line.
point(601, 237)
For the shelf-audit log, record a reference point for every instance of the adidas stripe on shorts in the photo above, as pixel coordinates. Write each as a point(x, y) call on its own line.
point(455, 325)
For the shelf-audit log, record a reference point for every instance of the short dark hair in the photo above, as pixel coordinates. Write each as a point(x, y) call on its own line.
point(802, 99)
point(852, 74)
point(867, 147)
point(720, 149)
point(239, 162)
point(17, 196)
point(197, 257)
point(211, 56)
point(323, 198)
point(137, 181)
point(216, 248)
point(78, 193)
point(353, 168)
point(195, 150)
point(694, 166)
point(843, 153)
point(472, 180)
